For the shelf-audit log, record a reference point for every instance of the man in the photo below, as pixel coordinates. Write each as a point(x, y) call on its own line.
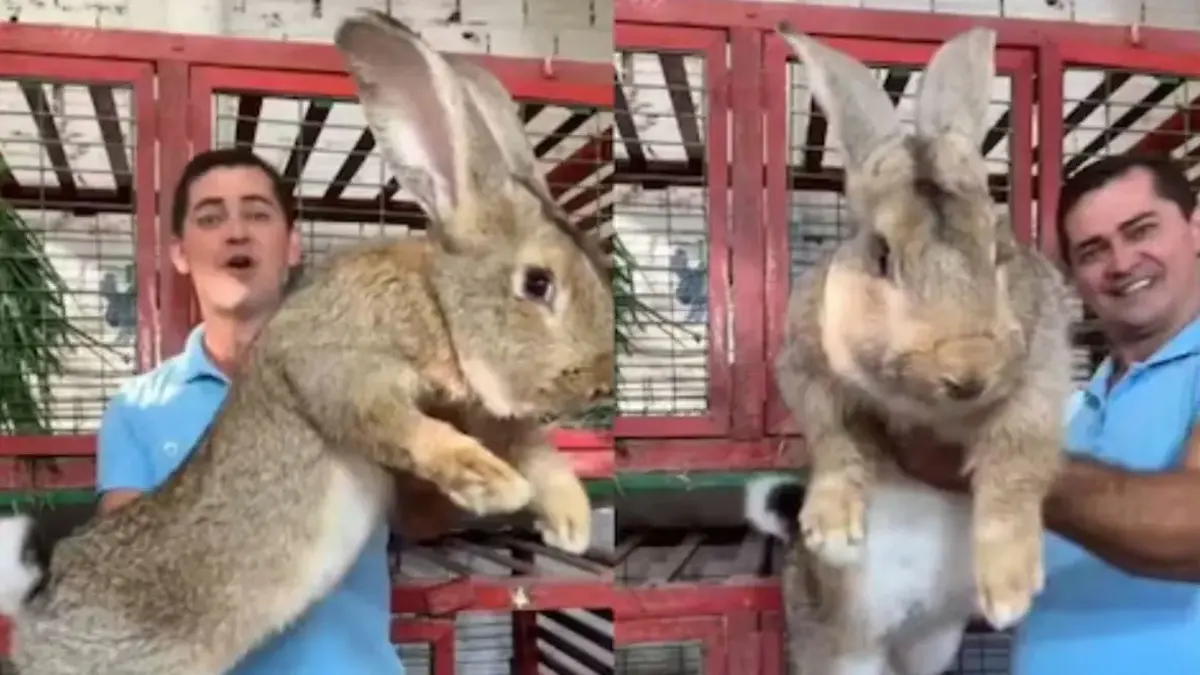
point(1123, 555)
point(234, 236)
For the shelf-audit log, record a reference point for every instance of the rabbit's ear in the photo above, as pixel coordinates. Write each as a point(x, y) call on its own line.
point(957, 87)
point(418, 110)
point(495, 106)
point(850, 95)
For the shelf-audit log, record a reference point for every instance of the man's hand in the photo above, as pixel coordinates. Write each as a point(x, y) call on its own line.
point(931, 461)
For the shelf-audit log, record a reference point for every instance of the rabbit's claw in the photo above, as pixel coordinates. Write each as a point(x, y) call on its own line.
point(832, 521)
point(1009, 572)
point(565, 518)
point(480, 482)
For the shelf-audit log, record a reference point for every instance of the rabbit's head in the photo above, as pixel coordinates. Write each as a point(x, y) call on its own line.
point(526, 295)
point(916, 302)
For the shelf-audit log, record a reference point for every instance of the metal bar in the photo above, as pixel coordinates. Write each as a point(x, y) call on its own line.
point(51, 142)
point(624, 121)
point(777, 184)
point(746, 259)
point(246, 127)
point(109, 121)
point(310, 130)
point(349, 168)
point(718, 83)
point(147, 137)
point(1020, 197)
point(683, 600)
point(1050, 155)
point(666, 570)
point(525, 79)
point(175, 149)
point(679, 91)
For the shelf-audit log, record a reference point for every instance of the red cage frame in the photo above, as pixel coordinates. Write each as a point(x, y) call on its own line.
point(710, 45)
point(741, 616)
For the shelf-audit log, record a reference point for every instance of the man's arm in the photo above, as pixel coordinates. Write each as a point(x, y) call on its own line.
point(114, 499)
point(123, 470)
point(1147, 524)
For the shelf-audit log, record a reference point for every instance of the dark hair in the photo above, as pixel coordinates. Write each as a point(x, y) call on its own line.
point(218, 158)
point(1170, 183)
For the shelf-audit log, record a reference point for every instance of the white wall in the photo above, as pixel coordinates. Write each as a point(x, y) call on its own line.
point(573, 29)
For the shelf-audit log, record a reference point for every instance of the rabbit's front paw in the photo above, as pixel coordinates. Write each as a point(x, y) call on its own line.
point(478, 481)
point(1008, 570)
point(565, 517)
point(831, 520)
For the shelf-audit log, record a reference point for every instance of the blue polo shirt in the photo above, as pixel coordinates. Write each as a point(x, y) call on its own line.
point(148, 429)
point(1092, 617)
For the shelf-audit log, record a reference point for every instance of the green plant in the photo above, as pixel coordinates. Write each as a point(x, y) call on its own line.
point(34, 326)
point(629, 313)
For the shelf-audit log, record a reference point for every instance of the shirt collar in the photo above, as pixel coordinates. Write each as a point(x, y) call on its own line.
point(194, 359)
point(1185, 343)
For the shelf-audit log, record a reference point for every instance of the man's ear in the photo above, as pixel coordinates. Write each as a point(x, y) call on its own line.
point(177, 257)
point(295, 247)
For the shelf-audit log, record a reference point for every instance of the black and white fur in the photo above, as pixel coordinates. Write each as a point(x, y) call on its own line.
point(27, 543)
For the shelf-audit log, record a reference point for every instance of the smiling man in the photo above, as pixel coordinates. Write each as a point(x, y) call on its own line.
point(234, 236)
point(1122, 589)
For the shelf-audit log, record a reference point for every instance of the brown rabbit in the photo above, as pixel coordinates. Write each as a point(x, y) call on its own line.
point(432, 358)
point(931, 317)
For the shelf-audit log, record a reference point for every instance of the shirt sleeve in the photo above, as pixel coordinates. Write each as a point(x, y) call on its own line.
point(122, 460)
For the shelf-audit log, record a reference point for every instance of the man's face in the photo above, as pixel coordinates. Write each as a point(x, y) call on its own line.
point(236, 244)
point(1133, 256)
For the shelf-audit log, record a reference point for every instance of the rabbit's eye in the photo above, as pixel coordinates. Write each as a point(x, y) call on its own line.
point(538, 284)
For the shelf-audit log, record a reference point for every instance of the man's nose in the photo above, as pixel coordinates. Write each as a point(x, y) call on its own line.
point(1123, 259)
point(236, 230)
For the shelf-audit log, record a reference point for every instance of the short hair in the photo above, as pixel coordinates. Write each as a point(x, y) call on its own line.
point(219, 158)
point(1169, 179)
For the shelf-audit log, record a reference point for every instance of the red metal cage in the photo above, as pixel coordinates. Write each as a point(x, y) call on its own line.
point(177, 83)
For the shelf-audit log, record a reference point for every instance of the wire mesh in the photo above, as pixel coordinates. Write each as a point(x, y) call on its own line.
point(68, 292)
point(679, 658)
point(660, 215)
point(345, 193)
point(1111, 111)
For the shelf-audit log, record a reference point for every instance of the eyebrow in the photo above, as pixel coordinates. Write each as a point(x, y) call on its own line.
point(217, 201)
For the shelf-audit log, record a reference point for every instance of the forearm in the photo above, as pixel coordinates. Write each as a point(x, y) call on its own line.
point(1146, 524)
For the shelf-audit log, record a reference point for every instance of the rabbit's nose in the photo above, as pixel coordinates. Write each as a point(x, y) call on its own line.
point(963, 388)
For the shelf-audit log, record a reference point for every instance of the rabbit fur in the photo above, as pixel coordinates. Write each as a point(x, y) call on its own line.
point(932, 318)
point(395, 368)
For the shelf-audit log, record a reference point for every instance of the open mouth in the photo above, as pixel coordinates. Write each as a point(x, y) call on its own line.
point(240, 263)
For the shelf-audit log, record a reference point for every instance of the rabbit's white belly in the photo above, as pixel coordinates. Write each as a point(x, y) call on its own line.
point(356, 499)
point(918, 565)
